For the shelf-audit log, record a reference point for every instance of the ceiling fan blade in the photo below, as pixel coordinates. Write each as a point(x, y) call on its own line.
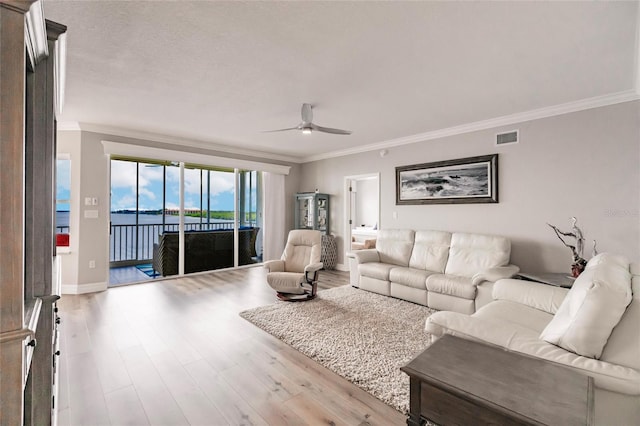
point(330, 130)
point(307, 113)
point(281, 130)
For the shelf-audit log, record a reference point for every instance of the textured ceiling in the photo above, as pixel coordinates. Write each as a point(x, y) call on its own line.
point(223, 72)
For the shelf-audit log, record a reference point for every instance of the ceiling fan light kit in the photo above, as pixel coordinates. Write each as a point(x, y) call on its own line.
point(307, 126)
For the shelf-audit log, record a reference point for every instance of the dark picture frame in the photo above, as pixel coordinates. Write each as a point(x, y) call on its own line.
point(462, 181)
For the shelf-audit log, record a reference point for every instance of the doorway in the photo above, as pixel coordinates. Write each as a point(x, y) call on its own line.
point(362, 209)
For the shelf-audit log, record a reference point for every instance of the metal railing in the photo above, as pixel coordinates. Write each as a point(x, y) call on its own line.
point(134, 243)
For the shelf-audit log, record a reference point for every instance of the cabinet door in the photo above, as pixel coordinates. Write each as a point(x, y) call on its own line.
point(304, 212)
point(323, 214)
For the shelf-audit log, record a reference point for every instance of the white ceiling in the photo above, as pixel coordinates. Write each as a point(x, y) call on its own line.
point(223, 72)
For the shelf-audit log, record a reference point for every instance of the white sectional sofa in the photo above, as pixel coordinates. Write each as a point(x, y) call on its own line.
point(442, 270)
point(594, 327)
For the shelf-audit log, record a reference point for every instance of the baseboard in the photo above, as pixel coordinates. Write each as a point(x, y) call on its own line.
point(83, 288)
point(342, 267)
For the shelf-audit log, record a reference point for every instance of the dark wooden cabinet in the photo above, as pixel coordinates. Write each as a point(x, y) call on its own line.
point(28, 331)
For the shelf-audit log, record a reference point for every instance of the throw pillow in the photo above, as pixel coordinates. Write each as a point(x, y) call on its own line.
point(592, 308)
point(608, 258)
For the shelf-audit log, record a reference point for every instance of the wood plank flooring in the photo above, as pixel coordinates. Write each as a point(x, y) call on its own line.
point(176, 352)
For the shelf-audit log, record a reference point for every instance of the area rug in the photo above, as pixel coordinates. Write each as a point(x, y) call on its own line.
point(362, 336)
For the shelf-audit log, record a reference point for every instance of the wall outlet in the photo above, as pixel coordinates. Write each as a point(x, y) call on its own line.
point(94, 201)
point(92, 264)
point(395, 215)
point(87, 201)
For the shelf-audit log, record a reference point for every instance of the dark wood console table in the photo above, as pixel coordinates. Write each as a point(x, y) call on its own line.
point(458, 381)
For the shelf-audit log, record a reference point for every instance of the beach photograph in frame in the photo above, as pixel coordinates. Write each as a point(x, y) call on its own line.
point(461, 181)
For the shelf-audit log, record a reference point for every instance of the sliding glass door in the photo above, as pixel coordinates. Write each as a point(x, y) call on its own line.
point(145, 216)
point(250, 216)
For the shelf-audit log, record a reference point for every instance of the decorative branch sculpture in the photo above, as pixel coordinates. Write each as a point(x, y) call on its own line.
point(577, 250)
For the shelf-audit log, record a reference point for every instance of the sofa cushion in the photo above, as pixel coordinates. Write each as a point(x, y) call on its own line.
point(430, 250)
point(623, 345)
point(394, 246)
point(516, 313)
point(452, 285)
point(410, 277)
point(470, 253)
point(592, 308)
point(609, 259)
point(446, 302)
point(379, 271)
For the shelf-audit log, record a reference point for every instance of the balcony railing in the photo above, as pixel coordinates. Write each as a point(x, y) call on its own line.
point(126, 245)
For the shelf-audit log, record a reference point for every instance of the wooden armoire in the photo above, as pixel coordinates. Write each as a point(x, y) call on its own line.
point(30, 77)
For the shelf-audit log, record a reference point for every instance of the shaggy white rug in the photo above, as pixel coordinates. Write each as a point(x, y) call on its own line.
point(362, 336)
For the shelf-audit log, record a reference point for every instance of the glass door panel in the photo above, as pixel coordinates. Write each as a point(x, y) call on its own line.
point(250, 217)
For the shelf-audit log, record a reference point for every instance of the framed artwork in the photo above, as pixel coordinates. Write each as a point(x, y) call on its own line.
point(461, 181)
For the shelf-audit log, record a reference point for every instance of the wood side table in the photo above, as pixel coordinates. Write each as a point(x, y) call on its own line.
point(458, 381)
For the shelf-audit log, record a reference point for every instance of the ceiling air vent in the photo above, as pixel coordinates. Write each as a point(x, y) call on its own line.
point(507, 137)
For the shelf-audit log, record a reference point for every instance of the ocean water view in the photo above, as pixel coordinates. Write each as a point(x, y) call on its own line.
point(62, 219)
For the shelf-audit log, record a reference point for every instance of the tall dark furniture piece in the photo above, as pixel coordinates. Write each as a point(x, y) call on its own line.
point(28, 291)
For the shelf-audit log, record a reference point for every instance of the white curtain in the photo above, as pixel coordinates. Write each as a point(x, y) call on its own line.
point(274, 222)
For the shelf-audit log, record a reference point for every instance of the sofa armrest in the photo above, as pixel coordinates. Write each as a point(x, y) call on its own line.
point(367, 255)
point(274, 265)
point(536, 295)
point(313, 267)
point(495, 274)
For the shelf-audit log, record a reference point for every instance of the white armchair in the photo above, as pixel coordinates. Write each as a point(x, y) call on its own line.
point(295, 276)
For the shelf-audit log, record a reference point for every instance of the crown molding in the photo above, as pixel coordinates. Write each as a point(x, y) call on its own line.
point(35, 34)
point(507, 120)
point(176, 140)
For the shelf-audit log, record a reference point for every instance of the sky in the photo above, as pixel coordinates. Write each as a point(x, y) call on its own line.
point(123, 187)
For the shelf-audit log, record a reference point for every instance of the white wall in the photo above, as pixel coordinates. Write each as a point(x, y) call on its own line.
point(89, 236)
point(583, 164)
point(90, 178)
point(69, 143)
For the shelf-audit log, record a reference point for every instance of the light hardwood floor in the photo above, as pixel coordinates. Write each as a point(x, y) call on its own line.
point(176, 352)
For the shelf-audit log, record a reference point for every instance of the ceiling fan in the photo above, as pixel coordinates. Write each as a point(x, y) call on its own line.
point(307, 126)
